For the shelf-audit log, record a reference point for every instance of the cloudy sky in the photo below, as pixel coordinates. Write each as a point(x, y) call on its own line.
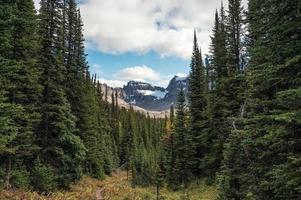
point(149, 40)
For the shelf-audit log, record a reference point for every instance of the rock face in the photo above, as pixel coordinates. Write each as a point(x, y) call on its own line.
point(174, 87)
point(144, 95)
point(154, 98)
point(148, 98)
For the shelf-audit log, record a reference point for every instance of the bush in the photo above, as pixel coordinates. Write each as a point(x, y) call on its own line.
point(43, 178)
point(21, 178)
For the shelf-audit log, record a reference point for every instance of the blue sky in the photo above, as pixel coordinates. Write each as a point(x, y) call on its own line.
point(147, 40)
point(107, 66)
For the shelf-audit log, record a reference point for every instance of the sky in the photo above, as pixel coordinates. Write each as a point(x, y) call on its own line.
point(145, 40)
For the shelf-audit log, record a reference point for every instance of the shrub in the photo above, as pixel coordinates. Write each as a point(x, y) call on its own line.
point(43, 178)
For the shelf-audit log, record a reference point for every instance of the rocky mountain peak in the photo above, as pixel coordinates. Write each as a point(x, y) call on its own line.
point(152, 98)
point(138, 85)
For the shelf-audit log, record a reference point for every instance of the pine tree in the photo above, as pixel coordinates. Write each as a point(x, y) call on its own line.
point(168, 148)
point(80, 54)
point(74, 57)
point(89, 126)
point(10, 131)
point(234, 29)
point(128, 139)
point(114, 123)
point(218, 46)
point(85, 98)
point(274, 101)
point(61, 150)
point(184, 159)
point(197, 101)
point(235, 84)
point(268, 136)
point(107, 143)
point(218, 109)
point(19, 80)
point(160, 172)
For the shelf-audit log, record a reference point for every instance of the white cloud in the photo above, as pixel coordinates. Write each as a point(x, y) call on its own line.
point(143, 73)
point(140, 26)
point(96, 65)
point(138, 73)
point(113, 83)
point(164, 26)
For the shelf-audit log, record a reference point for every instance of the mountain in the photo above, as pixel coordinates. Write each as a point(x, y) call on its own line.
point(124, 104)
point(149, 98)
point(174, 87)
point(154, 98)
point(144, 95)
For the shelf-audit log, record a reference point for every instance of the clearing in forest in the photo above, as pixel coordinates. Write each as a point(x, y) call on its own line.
point(115, 187)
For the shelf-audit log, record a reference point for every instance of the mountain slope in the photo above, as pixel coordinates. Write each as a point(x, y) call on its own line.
point(154, 98)
point(147, 98)
point(124, 104)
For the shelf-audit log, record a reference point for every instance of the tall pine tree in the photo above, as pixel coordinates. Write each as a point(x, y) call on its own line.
point(61, 150)
point(197, 101)
point(20, 90)
point(184, 154)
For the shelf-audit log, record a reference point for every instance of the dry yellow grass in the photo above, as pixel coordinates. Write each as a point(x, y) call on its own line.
point(116, 187)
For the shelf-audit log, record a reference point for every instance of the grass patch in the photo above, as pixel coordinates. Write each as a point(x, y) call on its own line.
point(116, 187)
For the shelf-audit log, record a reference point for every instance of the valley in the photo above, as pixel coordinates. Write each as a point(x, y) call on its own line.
point(228, 131)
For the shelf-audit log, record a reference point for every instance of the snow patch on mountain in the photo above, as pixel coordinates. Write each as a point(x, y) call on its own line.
point(181, 77)
point(151, 97)
point(133, 101)
point(156, 93)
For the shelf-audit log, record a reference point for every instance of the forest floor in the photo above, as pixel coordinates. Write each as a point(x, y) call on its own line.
point(115, 187)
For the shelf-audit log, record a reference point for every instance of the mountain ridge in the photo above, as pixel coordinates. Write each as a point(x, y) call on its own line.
point(146, 97)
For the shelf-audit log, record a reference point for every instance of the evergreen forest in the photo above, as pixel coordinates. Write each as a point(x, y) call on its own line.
point(239, 126)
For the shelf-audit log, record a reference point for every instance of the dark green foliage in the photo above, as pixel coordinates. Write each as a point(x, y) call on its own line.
point(10, 134)
point(269, 134)
point(234, 21)
point(89, 127)
point(140, 147)
point(43, 177)
point(241, 126)
point(19, 90)
point(21, 177)
point(74, 59)
point(197, 102)
point(61, 149)
point(224, 90)
point(53, 113)
point(235, 86)
point(250, 120)
point(127, 139)
point(184, 154)
point(168, 148)
point(217, 127)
